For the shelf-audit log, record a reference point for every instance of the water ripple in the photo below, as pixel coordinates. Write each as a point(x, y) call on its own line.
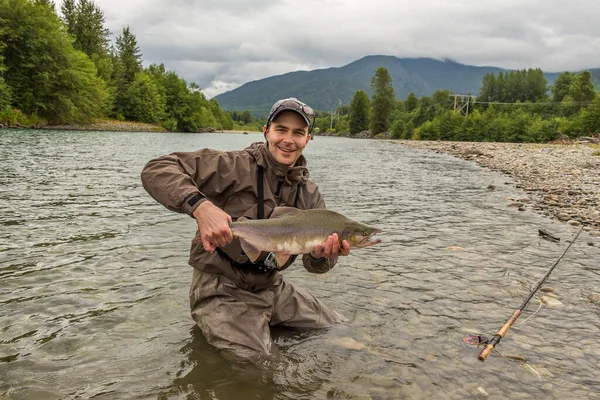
point(94, 281)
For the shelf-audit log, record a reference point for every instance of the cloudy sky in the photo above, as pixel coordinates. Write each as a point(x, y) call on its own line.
point(222, 44)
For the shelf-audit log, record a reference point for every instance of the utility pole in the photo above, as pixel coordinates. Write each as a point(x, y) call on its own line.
point(464, 109)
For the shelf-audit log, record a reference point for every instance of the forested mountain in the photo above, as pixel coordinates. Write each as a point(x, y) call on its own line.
point(325, 89)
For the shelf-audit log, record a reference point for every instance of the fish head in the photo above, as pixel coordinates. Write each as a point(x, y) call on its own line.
point(360, 235)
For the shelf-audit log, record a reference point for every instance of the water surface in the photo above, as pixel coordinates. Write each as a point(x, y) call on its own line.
point(94, 281)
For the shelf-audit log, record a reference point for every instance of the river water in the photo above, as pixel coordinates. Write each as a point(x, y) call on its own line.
point(94, 281)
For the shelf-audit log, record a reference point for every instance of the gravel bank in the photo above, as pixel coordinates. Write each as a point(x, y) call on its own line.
point(562, 180)
point(110, 126)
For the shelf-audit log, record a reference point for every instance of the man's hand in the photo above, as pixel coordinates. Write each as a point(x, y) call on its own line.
point(213, 225)
point(331, 248)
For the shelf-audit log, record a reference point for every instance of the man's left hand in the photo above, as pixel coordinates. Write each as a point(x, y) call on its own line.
point(331, 248)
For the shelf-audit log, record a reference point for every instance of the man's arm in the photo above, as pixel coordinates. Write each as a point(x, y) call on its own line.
point(186, 182)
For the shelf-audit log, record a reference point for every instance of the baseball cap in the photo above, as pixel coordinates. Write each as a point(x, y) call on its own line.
point(291, 104)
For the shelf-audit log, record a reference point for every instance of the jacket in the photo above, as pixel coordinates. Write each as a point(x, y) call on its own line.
point(229, 180)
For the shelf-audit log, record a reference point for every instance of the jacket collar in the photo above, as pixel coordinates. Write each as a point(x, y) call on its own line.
point(298, 174)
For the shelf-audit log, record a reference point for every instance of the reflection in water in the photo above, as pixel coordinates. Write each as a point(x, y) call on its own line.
point(94, 281)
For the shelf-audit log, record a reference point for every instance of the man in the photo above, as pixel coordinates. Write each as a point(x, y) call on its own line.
point(234, 301)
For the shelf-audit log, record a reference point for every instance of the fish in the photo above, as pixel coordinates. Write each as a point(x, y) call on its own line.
point(291, 231)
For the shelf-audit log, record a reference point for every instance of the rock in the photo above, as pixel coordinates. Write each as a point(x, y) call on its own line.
point(551, 301)
point(594, 298)
point(347, 343)
point(563, 217)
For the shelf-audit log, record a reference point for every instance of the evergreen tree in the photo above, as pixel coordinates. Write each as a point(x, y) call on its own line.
point(383, 100)
point(582, 88)
point(561, 86)
point(537, 85)
point(411, 103)
point(129, 55)
point(85, 22)
point(489, 88)
point(126, 63)
point(359, 112)
point(245, 117)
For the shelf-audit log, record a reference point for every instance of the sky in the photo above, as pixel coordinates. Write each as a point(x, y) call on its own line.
point(222, 44)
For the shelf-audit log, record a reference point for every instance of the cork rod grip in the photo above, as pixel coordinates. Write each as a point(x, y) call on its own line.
point(501, 332)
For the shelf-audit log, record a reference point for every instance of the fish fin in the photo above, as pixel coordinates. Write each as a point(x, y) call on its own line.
point(282, 258)
point(251, 251)
point(283, 210)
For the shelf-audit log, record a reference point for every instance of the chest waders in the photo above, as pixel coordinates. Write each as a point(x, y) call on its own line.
point(269, 263)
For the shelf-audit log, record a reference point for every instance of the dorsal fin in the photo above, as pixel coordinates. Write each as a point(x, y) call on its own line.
point(281, 211)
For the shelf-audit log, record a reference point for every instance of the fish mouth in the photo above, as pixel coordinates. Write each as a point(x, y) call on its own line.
point(367, 240)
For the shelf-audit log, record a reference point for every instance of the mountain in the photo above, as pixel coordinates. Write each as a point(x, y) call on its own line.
point(325, 89)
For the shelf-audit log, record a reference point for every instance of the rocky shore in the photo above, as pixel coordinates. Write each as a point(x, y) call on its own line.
point(562, 180)
point(109, 126)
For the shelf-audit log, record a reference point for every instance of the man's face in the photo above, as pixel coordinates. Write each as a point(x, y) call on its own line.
point(287, 137)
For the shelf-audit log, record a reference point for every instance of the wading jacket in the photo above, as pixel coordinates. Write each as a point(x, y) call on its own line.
point(230, 181)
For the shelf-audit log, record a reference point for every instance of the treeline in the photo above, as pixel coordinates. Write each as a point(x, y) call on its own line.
point(515, 106)
point(64, 69)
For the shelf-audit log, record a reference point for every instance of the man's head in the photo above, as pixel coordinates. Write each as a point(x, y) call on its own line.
point(288, 130)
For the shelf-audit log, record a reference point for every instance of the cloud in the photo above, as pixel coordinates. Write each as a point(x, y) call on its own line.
point(222, 44)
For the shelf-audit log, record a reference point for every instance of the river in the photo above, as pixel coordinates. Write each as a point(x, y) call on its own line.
point(94, 281)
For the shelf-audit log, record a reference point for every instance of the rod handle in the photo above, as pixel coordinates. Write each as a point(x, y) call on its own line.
point(501, 332)
point(486, 351)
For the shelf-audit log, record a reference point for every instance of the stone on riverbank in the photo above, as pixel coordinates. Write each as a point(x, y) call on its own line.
point(562, 180)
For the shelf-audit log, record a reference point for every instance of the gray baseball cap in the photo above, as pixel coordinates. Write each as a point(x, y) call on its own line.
point(291, 104)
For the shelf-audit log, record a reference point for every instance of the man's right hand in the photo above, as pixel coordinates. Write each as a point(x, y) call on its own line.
point(213, 225)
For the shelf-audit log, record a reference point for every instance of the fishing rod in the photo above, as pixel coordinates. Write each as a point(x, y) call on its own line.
point(502, 331)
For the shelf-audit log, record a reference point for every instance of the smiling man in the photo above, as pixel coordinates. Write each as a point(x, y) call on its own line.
point(234, 301)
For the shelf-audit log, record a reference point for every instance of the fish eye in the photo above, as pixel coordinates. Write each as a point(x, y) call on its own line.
point(366, 233)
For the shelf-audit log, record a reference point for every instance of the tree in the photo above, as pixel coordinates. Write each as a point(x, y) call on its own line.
point(359, 112)
point(47, 76)
point(489, 88)
point(245, 117)
point(129, 54)
point(411, 103)
point(143, 100)
point(561, 86)
point(85, 22)
point(383, 100)
point(4, 89)
point(126, 62)
point(582, 88)
point(590, 117)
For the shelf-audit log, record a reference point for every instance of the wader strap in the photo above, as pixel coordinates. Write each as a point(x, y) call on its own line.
point(297, 195)
point(260, 212)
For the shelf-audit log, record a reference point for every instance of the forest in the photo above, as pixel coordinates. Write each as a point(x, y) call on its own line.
point(61, 67)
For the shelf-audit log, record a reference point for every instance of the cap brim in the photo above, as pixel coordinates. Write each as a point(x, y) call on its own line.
point(306, 119)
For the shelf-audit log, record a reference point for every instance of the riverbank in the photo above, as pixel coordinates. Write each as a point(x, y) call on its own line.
point(561, 180)
point(108, 126)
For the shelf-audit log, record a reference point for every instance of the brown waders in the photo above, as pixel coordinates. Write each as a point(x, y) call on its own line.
point(238, 321)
